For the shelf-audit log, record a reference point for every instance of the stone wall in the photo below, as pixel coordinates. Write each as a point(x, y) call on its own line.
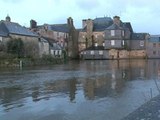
point(138, 54)
point(113, 54)
point(83, 42)
point(31, 45)
point(98, 38)
point(124, 54)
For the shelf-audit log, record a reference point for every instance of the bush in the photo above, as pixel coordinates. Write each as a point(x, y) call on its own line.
point(16, 47)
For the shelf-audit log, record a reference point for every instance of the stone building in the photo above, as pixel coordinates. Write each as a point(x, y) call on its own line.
point(118, 35)
point(44, 48)
point(11, 30)
point(92, 32)
point(64, 34)
point(112, 38)
point(153, 46)
point(138, 45)
point(117, 39)
point(54, 49)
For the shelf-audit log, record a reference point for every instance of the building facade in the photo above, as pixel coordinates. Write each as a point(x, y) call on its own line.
point(65, 35)
point(11, 30)
point(115, 37)
point(153, 46)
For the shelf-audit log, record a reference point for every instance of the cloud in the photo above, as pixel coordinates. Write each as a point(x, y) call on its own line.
point(144, 15)
point(12, 1)
point(87, 4)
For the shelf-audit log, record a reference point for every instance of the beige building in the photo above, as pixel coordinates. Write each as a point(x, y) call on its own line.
point(107, 38)
point(93, 32)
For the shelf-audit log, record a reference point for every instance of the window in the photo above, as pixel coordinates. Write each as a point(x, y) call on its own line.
point(123, 43)
point(122, 33)
point(112, 32)
point(112, 42)
point(141, 43)
point(92, 52)
point(101, 52)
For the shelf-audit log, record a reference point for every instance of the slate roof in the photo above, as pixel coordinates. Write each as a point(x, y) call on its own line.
point(102, 20)
point(60, 28)
point(129, 26)
point(50, 41)
point(123, 26)
point(115, 27)
point(7, 28)
point(101, 23)
point(3, 34)
point(57, 27)
point(56, 47)
point(154, 39)
point(138, 36)
point(53, 44)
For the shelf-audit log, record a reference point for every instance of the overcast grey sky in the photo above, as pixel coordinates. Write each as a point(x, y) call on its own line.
point(144, 15)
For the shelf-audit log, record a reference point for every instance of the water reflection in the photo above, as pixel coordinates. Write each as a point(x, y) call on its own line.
point(95, 79)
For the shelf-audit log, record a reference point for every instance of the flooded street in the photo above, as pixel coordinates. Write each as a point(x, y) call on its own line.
point(79, 90)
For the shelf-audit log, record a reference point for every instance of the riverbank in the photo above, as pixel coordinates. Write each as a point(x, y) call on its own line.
point(148, 111)
point(25, 62)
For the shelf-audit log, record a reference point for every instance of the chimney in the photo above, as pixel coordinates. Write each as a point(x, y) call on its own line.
point(84, 23)
point(33, 24)
point(116, 20)
point(89, 23)
point(8, 19)
point(70, 21)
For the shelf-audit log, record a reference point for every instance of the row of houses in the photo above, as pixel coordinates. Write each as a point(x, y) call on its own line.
point(41, 40)
point(100, 38)
point(107, 38)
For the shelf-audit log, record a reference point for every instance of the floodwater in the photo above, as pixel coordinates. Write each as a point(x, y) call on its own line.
point(79, 90)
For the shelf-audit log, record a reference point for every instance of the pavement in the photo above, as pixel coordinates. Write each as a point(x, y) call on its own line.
point(148, 111)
